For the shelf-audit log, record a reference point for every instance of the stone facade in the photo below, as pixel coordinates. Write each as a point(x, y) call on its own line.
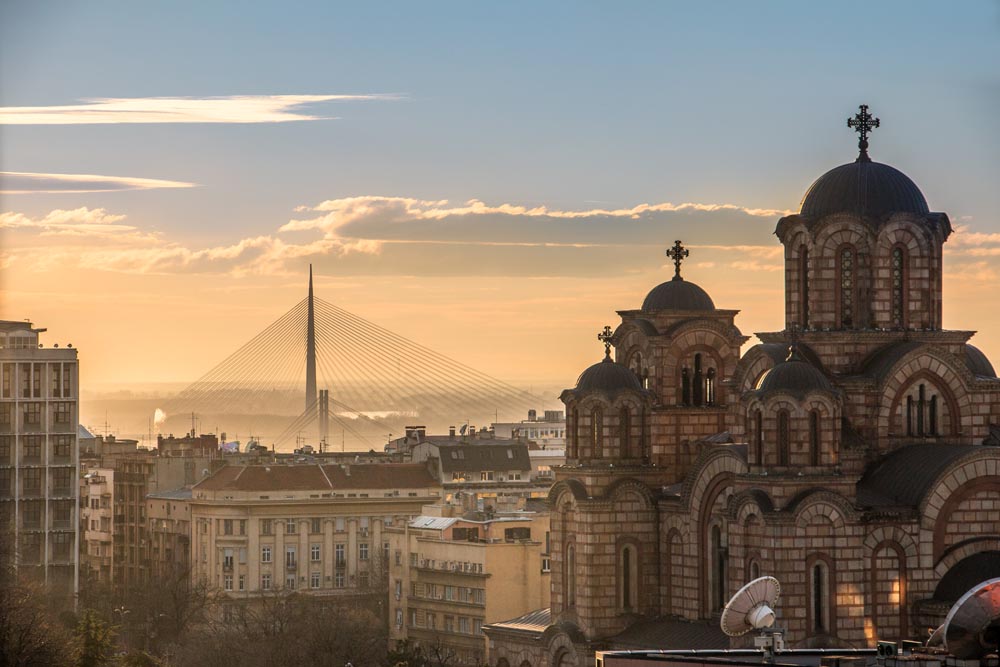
point(851, 455)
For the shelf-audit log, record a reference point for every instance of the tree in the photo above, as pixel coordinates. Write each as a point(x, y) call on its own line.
point(95, 641)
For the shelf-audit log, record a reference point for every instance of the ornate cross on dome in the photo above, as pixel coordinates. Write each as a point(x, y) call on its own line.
point(605, 337)
point(863, 123)
point(677, 253)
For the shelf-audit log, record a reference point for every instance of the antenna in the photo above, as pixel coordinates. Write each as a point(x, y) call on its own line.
point(972, 627)
point(752, 608)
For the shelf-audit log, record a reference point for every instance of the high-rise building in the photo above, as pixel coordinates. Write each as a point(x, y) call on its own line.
point(39, 457)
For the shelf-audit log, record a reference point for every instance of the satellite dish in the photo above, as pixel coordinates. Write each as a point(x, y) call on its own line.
point(937, 636)
point(752, 608)
point(972, 628)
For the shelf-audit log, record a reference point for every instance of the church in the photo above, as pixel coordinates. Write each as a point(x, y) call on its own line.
point(853, 455)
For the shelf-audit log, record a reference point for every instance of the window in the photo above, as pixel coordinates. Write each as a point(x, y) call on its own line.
point(399, 618)
point(569, 572)
point(804, 287)
point(819, 593)
point(385, 553)
point(720, 558)
point(463, 624)
point(265, 527)
point(340, 524)
point(399, 589)
point(846, 261)
point(363, 580)
point(625, 432)
point(316, 526)
point(227, 526)
point(314, 552)
point(521, 533)
point(597, 433)
point(399, 557)
point(477, 626)
point(628, 590)
point(314, 580)
point(62, 413)
point(758, 437)
point(243, 582)
point(814, 437)
point(922, 414)
point(784, 437)
point(265, 582)
point(32, 448)
point(685, 386)
point(449, 624)
point(61, 446)
point(290, 582)
point(697, 388)
point(898, 298)
point(61, 543)
point(338, 554)
point(32, 414)
point(243, 526)
point(62, 481)
point(6, 410)
point(265, 554)
point(338, 579)
point(363, 551)
point(227, 562)
point(227, 582)
point(31, 480)
point(290, 560)
point(486, 476)
point(289, 526)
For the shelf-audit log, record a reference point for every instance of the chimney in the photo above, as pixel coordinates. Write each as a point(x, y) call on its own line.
point(451, 432)
point(532, 415)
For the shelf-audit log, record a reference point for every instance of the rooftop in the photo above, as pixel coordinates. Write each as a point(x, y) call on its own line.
point(316, 477)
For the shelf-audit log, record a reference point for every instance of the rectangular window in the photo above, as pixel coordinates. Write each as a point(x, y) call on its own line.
point(449, 624)
point(265, 582)
point(6, 410)
point(289, 526)
point(363, 551)
point(314, 552)
point(227, 561)
point(338, 579)
point(314, 579)
point(6, 482)
point(317, 526)
point(265, 526)
point(8, 380)
point(399, 618)
point(340, 524)
point(227, 582)
point(363, 580)
point(62, 446)
point(479, 596)
point(32, 414)
point(62, 413)
point(31, 447)
point(399, 557)
point(243, 526)
point(36, 380)
point(31, 480)
point(385, 553)
point(477, 626)
point(290, 557)
point(265, 554)
point(243, 582)
point(56, 383)
point(227, 526)
point(486, 476)
point(338, 553)
point(290, 582)
point(463, 624)
point(399, 589)
point(67, 381)
point(243, 555)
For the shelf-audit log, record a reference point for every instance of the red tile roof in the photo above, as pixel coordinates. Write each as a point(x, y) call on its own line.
point(315, 477)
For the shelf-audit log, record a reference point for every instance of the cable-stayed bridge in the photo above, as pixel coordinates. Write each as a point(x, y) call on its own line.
point(322, 375)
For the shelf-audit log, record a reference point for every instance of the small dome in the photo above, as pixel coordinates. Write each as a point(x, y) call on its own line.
point(864, 188)
point(978, 362)
point(609, 377)
point(794, 375)
point(677, 294)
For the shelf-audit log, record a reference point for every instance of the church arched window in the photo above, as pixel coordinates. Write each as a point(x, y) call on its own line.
point(685, 386)
point(846, 286)
point(569, 575)
point(719, 557)
point(628, 577)
point(922, 413)
point(899, 280)
point(758, 436)
point(635, 363)
point(710, 387)
point(820, 594)
point(697, 383)
point(814, 450)
point(784, 437)
point(804, 287)
point(625, 432)
point(597, 433)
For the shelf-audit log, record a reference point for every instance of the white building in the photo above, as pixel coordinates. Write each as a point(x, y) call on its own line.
point(39, 454)
point(549, 431)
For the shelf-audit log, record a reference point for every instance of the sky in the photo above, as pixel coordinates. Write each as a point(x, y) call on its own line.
point(492, 180)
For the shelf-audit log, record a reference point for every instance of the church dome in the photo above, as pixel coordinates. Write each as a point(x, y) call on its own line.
point(677, 294)
point(794, 375)
point(864, 188)
point(978, 363)
point(608, 377)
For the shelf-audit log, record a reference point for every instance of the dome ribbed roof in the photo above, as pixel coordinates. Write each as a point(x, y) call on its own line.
point(794, 375)
point(978, 363)
point(607, 376)
point(677, 294)
point(864, 188)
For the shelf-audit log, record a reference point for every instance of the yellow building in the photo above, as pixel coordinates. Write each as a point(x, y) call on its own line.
point(316, 528)
point(450, 575)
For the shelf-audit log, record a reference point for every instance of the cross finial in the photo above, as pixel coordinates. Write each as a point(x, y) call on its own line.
point(677, 253)
point(863, 123)
point(605, 337)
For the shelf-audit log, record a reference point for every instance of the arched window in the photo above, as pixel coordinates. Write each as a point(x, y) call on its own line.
point(698, 388)
point(635, 363)
point(784, 437)
point(899, 279)
point(753, 570)
point(814, 438)
point(922, 413)
point(719, 560)
point(804, 287)
point(710, 387)
point(625, 433)
point(569, 575)
point(819, 597)
point(628, 580)
point(758, 437)
point(685, 386)
point(571, 424)
point(846, 261)
point(932, 416)
point(597, 433)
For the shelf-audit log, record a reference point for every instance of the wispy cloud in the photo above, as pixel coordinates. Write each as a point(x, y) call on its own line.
point(23, 182)
point(228, 109)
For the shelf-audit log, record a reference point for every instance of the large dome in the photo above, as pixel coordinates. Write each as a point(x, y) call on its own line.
point(609, 377)
point(865, 188)
point(677, 294)
point(795, 375)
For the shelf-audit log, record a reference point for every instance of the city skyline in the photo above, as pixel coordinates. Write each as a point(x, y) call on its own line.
point(490, 182)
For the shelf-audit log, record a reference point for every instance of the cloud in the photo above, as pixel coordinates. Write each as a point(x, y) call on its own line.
point(228, 109)
point(22, 182)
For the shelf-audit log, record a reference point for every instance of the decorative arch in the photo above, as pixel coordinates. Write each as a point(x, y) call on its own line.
point(821, 595)
point(824, 504)
point(628, 574)
point(888, 585)
point(935, 366)
point(966, 491)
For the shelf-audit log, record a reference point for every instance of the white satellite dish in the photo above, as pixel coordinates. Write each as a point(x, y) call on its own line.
point(752, 608)
point(972, 628)
point(936, 637)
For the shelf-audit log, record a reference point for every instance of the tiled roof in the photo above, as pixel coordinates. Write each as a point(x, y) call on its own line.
point(314, 477)
point(176, 494)
point(670, 634)
point(475, 458)
point(903, 477)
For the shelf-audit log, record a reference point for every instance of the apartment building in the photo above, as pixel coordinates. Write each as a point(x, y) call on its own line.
point(169, 516)
point(451, 575)
point(39, 390)
point(310, 527)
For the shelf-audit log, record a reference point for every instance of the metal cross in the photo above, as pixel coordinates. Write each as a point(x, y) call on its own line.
point(605, 337)
point(677, 253)
point(863, 123)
